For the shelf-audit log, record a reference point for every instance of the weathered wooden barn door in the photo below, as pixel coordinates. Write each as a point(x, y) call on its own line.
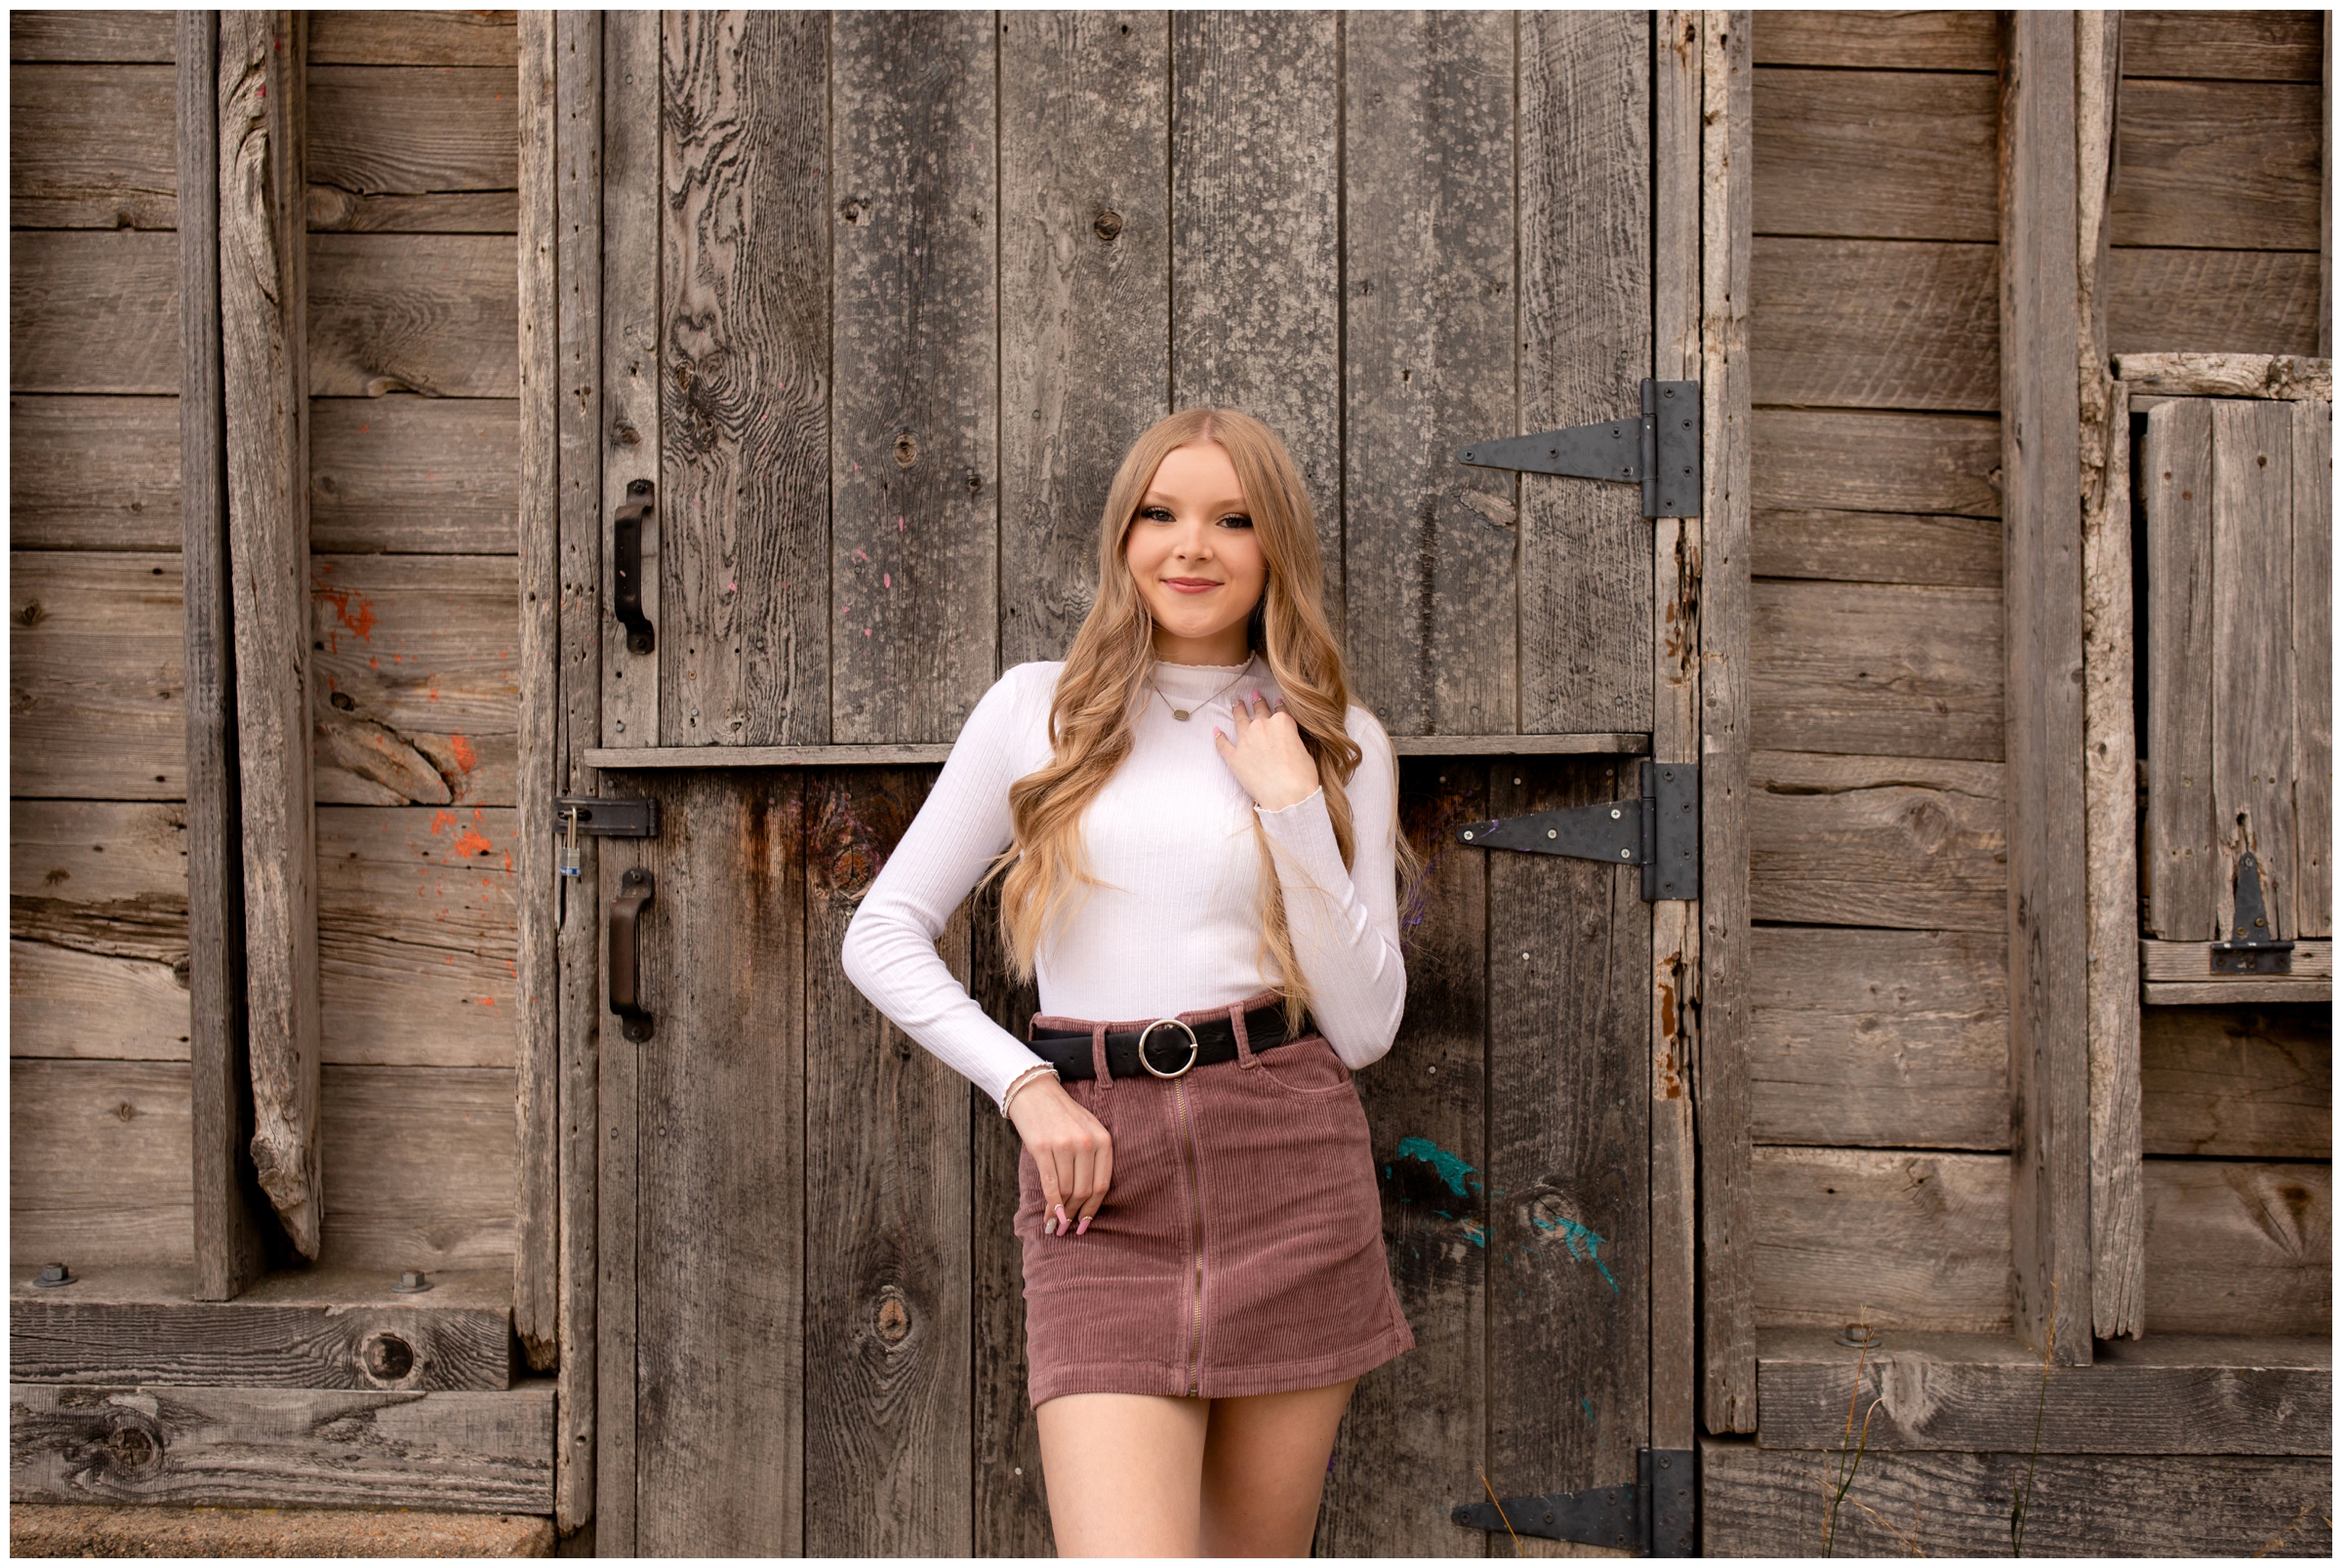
point(858, 313)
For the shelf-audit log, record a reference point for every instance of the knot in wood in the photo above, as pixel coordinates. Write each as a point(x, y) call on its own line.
point(342, 701)
point(31, 614)
point(852, 209)
point(907, 451)
point(131, 1447)
point(893, 1317)
point(1108, 227)
point(386, 1359)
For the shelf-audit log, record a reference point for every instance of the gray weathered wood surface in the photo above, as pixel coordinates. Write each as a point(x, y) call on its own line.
point(413, 475)
point(1876, 154)
point(92, 310)
point(2310, 585)
point(2259, 46)
point(1879, 40)
point(1871, 669)
point(94, 473)
point(621, 700)
point(2229, 165)
point(2225, 302)
point(1858, 546)
point(100, 877)
point(2310, 960)
point(1888, 1038)
point(1893, 1238)
point(100, 1163)
point(2239, 1248)
point(1860, 461)
point(2179, 868)
point(2250, 675)
point(413, 38)
point(1877, 841)
point(411, 149)
point(94, 35)
point(1774, 1503)
point(422, 1162)
point(2226, 991)
point(1961, 1392)
point(92, 146)
point(2185, 375)
point(97, 662)
point(67, 1002)
point(432, 314)
point(488, 1453)
point(1876, 324)
point(2243, 1082)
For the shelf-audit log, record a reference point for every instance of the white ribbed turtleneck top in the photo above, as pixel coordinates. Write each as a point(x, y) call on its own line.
point(1175, 926)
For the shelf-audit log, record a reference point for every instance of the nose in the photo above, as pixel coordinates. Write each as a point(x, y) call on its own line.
point(1195, 542)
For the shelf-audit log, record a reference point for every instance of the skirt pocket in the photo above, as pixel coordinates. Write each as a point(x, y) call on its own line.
point(1306, 1068)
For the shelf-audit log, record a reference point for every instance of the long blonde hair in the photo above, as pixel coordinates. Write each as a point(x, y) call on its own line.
point(1107, 670)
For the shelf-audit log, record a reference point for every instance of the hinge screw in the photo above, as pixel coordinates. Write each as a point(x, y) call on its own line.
point(53, 1275)
point(412, 1281)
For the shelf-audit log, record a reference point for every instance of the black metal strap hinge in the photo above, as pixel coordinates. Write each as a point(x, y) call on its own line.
point(1657, 1516)
point(2255, 948)
point(599, 816)
point(1660, 451)
point(1659, 832)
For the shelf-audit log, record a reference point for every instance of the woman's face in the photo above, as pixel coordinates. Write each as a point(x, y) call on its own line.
point(1194, 555)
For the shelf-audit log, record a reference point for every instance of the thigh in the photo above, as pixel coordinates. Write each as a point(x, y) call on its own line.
point(1121, 1471)
point(1264, 1469)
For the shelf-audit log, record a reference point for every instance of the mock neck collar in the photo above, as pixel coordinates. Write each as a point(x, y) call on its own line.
point(1200, 681)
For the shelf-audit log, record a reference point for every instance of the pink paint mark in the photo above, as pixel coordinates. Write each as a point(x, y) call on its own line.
point(889, 577)
point(858, 555)
point(898, 525)
point(731, 587)
point(865, 631)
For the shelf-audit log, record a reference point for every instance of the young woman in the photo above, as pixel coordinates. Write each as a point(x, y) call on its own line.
point(1197, 834)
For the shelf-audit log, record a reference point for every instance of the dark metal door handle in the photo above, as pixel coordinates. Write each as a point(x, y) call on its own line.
point(628, 568)
point(625, 954)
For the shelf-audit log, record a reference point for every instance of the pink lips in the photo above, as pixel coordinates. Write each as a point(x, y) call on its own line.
point(1190, 585)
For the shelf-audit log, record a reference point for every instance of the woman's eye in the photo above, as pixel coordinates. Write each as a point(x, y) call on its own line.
point(1155, 514)
point(1236, 521)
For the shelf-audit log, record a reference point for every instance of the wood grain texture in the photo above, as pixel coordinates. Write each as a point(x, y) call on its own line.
point(1719, 1071)
point(1961, 1393)
point(2226, 991)
point(1085, 270)
point(2242, 1082)
point(422, 1167)
point(1827, 459)
point(1425, 1414)
point(2218, 165)
point(99, 35)
point(1863, 154)
point(1894, 1240)
point(413, 313)
point(482, 1453)
point(1849, 546)
point(95, 472)
point(1891, 670)
point(416, 935)
point(1772, 1502)
point(2266, 46)
point(887, 1316)
point(2227, 301)
point(2250, 674)
point(2311, 960)
point(2180, 872)
point(100, 1163)
point(1886, 1038)
point(2237, 1248)
point(1876, 324)
point(914, 435)
point(415, 38)
point(413, 475)
point(1584, 561)
point(1877, 841)
point(2185, 375)
point(1878, 40)
point(1428, 349)
point(721, 1390)
point(64, 1002)
point(100, 877)
point(924, 751)
point(747, 345)
point(97, 675)
point(380, 138)
point(2310, 581)
point(93, 311)
point(2046, 906)
point(614, 694)
point(92, 146)
point(1256, 305)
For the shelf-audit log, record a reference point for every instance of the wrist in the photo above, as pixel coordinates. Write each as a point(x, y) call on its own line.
point(1038, 1070)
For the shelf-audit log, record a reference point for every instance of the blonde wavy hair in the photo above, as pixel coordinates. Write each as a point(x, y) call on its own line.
point(1042, 873)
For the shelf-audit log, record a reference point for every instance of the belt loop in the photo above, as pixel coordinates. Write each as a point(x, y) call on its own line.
point(1106, 1079)
point(1236, 1021)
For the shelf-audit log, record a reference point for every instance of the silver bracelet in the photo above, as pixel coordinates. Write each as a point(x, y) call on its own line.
point(1022, 1079)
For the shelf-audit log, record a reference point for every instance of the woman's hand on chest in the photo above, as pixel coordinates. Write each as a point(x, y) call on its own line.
point(1267, 754)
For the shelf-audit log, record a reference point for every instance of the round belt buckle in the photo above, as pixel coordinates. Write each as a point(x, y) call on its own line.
point(1193, 1047)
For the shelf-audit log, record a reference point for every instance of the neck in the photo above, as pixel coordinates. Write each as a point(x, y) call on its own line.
point(1229, 645)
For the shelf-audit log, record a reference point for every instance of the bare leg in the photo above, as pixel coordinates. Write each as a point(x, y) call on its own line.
point(1264, 1470)
point(1122, 1473)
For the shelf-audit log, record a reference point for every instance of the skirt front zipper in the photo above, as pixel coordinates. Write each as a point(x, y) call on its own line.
point(1194, 1187)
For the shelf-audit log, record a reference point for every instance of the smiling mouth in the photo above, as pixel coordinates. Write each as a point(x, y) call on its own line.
point(1190, 585)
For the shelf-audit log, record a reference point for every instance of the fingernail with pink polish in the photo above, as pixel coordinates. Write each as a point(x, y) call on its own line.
point(1083, 1227)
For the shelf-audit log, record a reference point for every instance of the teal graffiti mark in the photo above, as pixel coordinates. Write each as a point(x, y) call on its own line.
point(1476, 1233)
point(1386, 1173)
point(1444, 1214)
point(1584, 1244)
point(1451, 1167)
point(1587, 1405)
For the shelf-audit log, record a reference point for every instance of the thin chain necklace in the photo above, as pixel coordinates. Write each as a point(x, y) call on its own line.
point(1183, 714)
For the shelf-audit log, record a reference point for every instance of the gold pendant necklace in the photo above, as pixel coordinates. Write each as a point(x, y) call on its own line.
point(1183, 714)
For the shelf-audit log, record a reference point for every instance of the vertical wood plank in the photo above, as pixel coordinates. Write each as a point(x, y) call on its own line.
point(1427, 367)
point(2040, 459)
point(1675, 738)
point(1085, 297)
point(1569, 1167)
point(745, 415)
point(630, 365)
point(1418, 1428)
point(722, 1166)
point(2179, 866)
point(1586, 333)
point(887, 1314)
point(262, 288)
point(230, 1209)
point(1720, 1072)
point(2251, 672)
point(1256, 306)
point(2312, 658)
point(914, 433)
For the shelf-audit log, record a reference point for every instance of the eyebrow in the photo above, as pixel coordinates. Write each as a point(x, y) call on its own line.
point(1157, 498)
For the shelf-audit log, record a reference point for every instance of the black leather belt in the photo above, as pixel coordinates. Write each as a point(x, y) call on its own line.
point(1167, 1044)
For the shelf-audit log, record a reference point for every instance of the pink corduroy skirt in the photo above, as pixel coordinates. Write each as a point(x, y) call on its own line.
point(1239, 1248)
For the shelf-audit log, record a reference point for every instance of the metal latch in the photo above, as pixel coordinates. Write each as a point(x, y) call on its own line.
point(604, 818)
point(1657, 1516)
point(1659, 450)
point(1660, 831)
point(2255, 949)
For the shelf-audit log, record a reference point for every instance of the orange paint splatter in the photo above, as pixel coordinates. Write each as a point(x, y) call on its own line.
point(361, 621)
point(372, 663)
point(432, 695)
point(487, 1001)
point(470, 842)
point(465, 757)
point(507, 860)
point(443, 818)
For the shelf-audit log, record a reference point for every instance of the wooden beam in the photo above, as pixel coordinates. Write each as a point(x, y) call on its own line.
point(480, 1453)
point(230, 1250)
point(263, 250)
point(1719, 1074)
point(2040, 440)
point(2176, 375)
point(2192, 961)
point(2311, 582)
point(2234, 988)
point(321, 1328)
point(1982, 1392)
